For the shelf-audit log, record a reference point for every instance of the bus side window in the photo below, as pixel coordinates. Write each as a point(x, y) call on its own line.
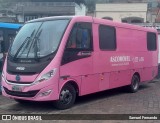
point(72, 39)
point(80, 40)
point(80, 37)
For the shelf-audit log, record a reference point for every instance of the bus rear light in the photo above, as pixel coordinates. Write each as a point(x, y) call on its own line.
point(45, 93)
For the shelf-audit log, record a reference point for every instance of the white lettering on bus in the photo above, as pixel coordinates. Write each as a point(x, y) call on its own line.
point(120, 59)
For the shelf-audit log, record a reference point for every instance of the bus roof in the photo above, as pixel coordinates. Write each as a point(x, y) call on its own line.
point(123, 25)
point(97, 20)
point(10, 25)
point(50, 18)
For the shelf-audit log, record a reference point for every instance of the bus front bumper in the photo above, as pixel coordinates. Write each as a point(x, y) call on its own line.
point(33, 93)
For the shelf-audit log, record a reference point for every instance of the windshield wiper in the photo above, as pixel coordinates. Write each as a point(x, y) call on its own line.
point(34, 45)
point(15, 56)
point(22, 45)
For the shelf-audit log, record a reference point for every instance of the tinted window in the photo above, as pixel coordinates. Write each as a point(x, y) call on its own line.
point(151, 41)
point(80, 37)
point(107, 37)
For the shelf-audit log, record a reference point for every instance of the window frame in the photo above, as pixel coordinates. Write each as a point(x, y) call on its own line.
point(91, 37)
point(115, 37)
point(155, 43)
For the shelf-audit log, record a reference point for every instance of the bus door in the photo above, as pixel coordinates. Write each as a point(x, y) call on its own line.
point(77, 60)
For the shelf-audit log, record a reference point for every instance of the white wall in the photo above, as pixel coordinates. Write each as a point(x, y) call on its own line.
point(119, 11)
point(118, 16)
point(80, 9)
point(139, 7)
point(20, 18)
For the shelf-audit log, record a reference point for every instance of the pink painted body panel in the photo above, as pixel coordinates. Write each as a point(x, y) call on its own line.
point(100, 71)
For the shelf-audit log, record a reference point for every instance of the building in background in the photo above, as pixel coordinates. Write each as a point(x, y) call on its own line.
point(145, 13)
point(121, 1)
point(25, 11)
point(153, 15)
point(153, 7)
point(126, 12)
point(7, 12)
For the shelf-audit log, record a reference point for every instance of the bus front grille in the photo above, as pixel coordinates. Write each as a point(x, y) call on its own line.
point(21, 94)
point(15, 82)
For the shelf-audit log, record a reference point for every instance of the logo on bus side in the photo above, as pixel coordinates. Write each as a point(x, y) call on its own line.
point(125, 60)
point(120, 59)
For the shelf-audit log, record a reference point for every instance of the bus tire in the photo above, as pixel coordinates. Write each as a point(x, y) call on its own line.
point(134, 86)
point(67, 97)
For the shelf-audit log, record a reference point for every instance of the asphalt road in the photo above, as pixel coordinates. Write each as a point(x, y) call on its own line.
point(115, 101)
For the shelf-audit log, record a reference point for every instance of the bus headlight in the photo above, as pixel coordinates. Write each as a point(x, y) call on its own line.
point(46, 76)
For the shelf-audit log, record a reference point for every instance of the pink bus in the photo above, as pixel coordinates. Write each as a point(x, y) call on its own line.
point(59, 58)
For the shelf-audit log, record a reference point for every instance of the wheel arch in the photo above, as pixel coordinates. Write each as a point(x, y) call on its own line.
point(74, 84)
point(138, 74)
point(134, 85)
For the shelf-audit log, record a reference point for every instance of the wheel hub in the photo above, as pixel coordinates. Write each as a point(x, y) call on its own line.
point(65, 96)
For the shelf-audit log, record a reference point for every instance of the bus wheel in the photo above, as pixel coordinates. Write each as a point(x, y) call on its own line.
point(67, 97)
point(134, 86)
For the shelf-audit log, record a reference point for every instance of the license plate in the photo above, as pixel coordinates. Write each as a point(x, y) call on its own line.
point(16, 88)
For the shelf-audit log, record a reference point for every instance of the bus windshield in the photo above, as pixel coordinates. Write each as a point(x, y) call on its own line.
point(38, 39)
